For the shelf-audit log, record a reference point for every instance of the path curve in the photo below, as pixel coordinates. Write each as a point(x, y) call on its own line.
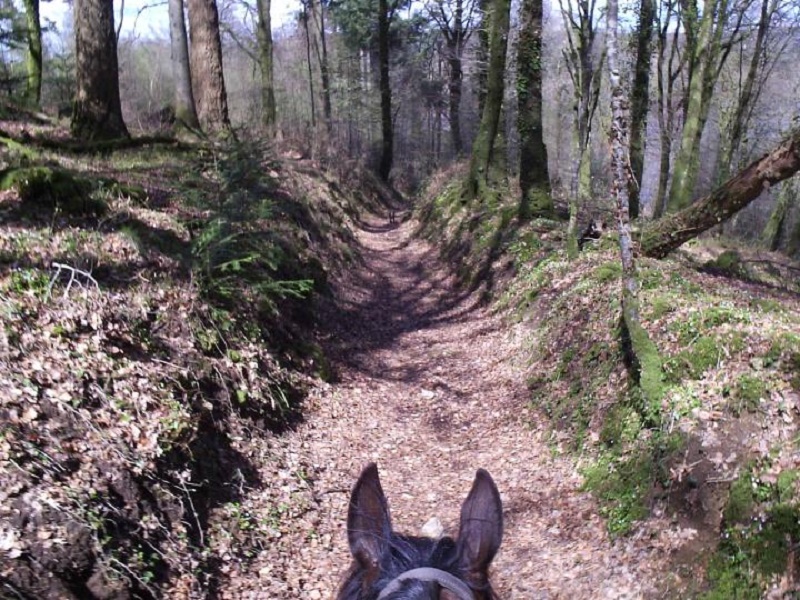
point(432, 387)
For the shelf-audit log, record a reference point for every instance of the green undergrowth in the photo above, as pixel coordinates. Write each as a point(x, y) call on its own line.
point(761, 531)
point(730, 360)
point(476, 235)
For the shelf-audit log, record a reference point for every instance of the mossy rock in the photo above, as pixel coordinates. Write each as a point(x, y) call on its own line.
point(45, 189)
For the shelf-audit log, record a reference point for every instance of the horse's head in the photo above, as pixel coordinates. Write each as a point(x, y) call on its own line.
point(388, 566)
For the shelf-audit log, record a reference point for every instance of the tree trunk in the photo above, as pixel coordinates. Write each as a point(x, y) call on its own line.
point(748, 95)
point(97, 113)
point(771, 236)
point(208, 82)
point(483, 148)
point(33, 60)
point(646, 361)
point(482, 52)
point(665, 235)
point(666, 112)
point(318, 14)
point(185, 113)
point(640, 102)
point(585, 68)
point(687, 160)
point(311, 100)
point(264, 37)
point(387, 143)
point(536, 198)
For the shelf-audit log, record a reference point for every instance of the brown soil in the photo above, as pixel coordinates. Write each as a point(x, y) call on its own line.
point(431, 387)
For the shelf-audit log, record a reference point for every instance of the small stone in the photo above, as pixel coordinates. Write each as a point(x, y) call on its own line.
point(432, 529)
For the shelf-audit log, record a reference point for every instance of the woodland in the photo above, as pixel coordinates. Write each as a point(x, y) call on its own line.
point(242, 259)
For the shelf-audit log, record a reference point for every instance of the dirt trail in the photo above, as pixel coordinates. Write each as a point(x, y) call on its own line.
point(432, 387)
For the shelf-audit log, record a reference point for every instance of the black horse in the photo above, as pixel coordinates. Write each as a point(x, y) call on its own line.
point(388, 566)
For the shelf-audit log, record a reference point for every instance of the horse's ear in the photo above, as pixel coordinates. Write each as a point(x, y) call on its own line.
point(481, 529)
point(368, 524)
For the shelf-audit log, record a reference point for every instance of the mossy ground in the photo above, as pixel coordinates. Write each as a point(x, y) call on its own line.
point(730, 366)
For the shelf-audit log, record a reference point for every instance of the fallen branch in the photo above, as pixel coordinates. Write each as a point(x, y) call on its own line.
point(73, 274)
point(668, 233)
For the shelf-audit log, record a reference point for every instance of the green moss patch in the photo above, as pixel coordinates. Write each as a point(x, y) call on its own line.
point(763, 530)
point(622, 484)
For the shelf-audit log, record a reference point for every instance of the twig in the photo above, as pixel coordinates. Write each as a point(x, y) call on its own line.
point(73, 272)
point(133, 574)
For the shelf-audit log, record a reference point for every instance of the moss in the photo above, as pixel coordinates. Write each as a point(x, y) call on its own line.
point(621, 484)
point(694, 361)
point(768, 305)
point(539, 203)
point(661, 306)
point(784, 349)
point(747, 394)
point(740, 500)
point(753, 551)
point(729, 262)
point(702, 322)
point(650, 279)
point(610, 271)
point(53, 189)
point(651, 376)
point(621, 426)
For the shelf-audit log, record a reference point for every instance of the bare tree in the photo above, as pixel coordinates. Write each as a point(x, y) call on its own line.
point(584, 63)
point(707, 49)
point(645, 356)
point(455, 20)
point(640, 100)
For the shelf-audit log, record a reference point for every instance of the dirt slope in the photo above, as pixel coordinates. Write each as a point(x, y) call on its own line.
point(431, 389)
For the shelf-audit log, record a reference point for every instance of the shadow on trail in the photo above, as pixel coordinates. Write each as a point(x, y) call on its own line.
point(398, 290)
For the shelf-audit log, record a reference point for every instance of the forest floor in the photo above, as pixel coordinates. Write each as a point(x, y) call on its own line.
point(431, 387)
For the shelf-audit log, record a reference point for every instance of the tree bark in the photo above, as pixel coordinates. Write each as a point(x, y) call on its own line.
point(305, 16)
point(640, 101)
point(387, 142)
point(33, 60)
point(264, 38)
point(688, 157)
point(482, 52)
point(318, 15)
point(97, 112)
point(771, 236)
point(668, 73)
point(534, 178)
point(206, 67)
point(665, 235)
point(585, 73)
point(646, 361)
point(185, 112)
point(483, 148)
